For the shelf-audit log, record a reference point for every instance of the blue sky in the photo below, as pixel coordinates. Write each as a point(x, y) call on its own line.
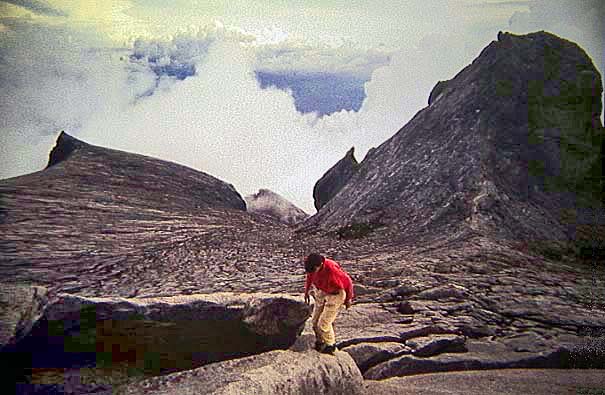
point(260, 94)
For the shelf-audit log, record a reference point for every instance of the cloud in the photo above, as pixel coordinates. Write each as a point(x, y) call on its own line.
point(221, 121)
point(37, 6)
point(499, 4)
point(274, 53)
point(345, 58)
point(322, 79)
point(51, 79)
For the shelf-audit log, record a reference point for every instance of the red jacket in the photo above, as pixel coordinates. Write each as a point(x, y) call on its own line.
point(331, 278)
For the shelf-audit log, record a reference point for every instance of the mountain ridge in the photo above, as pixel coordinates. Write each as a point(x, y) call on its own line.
point(480, 158)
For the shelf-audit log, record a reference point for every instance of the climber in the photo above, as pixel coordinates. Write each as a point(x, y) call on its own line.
point(332, 288)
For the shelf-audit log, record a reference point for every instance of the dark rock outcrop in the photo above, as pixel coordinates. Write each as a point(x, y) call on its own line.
point(155, 335)
point(437, 90)
point(332, 182)
point(511, 147)
point(66, 145)
point(269, 203)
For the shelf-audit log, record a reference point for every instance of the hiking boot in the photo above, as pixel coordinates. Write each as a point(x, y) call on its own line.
point(319, 345)
point(329, 349)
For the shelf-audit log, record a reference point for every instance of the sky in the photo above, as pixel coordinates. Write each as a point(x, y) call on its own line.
point(260, 94)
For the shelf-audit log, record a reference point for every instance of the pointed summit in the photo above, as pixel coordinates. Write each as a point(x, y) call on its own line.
point(334, 179)
point(65, 146)
point(506, 147)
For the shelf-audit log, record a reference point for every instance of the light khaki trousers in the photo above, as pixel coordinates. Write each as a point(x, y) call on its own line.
point(324, 313)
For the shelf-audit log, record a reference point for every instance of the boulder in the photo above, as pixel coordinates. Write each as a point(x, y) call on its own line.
point(153, 336)
point(367, 355)
point(302, 371)
point(276, 318)
point(21, 306)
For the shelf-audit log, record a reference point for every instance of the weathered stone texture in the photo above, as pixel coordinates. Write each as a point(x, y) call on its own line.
point(21, 306)
point(269, 203)
point(450, 236)
point(303, 372)
point(512, 147)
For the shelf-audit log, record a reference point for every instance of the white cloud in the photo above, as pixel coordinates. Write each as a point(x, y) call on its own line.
point(50, 81)
point(39, 7)
point(274, 51)
point(342, 58)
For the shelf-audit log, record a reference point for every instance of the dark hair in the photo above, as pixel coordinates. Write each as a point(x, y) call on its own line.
point(312, 262)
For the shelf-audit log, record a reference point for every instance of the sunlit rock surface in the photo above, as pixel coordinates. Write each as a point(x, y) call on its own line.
point(511, 147)
point(469, 242)
point(300, 370)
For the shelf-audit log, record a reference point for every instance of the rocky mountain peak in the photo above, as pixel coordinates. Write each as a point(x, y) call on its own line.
point(505, 147)
point(334, 179)
point(64, 147)
point(104, 175)
point(264, 192)
point(269, 203)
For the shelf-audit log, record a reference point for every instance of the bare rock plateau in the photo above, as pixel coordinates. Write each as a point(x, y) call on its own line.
point(475, 238)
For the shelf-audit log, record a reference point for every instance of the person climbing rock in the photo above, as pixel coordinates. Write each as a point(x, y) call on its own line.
point(332, 288)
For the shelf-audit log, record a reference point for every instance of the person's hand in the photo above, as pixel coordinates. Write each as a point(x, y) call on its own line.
point(348, 304)
point(307, 300)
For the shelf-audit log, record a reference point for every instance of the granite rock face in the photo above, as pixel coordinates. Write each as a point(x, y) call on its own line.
point(332, 182)
point(97, 216)
point(269, 203)
point(499, 382)
point(303, 371)
point(447, 282)
point(155, 335)
point(133, 175)
point(21, 306)
point(510, 147)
